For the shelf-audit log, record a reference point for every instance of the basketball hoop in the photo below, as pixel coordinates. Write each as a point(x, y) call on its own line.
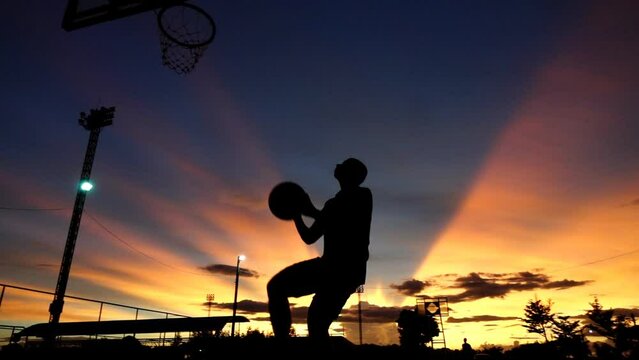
point(185, 32)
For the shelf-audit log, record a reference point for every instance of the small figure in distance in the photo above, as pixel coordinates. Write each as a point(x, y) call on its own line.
point(345, 224)
point(467, 350)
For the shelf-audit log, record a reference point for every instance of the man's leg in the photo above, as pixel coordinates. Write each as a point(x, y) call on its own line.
point(325, 308)
point(294, 281)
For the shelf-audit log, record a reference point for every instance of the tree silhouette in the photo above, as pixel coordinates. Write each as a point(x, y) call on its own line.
point(570, 339)
point(538, 317)
point(564, 329)
point(416, 330)
point(254, 334)
point(622, 330)
point(601, 320)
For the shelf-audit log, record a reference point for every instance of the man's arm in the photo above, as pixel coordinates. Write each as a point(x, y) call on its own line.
point(308, 234)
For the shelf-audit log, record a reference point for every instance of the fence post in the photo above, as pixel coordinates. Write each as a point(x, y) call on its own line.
point(136, 316)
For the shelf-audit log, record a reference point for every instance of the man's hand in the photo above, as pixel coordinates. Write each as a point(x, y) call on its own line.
point(308, 209)
point(308, 234)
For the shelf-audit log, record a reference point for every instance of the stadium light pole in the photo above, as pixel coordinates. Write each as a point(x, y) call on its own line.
point(237, 281)
point(209, 302)
point(93, 122)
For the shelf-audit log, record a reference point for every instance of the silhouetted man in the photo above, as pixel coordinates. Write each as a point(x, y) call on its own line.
point(345, 224)
point(467, 350)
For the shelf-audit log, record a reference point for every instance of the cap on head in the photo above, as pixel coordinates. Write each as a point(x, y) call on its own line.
point(351, 172)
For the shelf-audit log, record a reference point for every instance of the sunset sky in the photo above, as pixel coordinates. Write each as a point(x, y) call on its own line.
point(501, 138)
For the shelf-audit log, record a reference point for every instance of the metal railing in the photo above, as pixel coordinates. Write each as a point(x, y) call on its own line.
point(13, 329)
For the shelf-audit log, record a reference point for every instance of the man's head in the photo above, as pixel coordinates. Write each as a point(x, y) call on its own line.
point(350, 173)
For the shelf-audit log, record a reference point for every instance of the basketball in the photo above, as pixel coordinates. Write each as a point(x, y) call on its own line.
point(286, 200)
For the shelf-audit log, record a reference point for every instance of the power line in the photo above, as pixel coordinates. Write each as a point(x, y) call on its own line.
point(31, 209)
point(110, 232)
point(107, 230)
point(597, 261)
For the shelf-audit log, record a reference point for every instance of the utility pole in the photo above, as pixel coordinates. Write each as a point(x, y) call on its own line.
point(94, 122)
point(360, 290)
point(237, 281)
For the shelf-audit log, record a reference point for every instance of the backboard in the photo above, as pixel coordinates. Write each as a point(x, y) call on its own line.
point(185, 29)
point(84, 13)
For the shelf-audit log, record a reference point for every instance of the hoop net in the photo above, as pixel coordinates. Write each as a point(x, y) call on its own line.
point(185, 32)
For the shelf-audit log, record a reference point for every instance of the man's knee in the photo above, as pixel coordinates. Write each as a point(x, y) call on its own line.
point(273, 287)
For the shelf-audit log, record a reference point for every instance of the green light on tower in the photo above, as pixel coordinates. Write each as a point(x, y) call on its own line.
point(86, 186)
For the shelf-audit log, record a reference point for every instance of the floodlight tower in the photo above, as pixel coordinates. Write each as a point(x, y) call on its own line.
point(94, 122)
